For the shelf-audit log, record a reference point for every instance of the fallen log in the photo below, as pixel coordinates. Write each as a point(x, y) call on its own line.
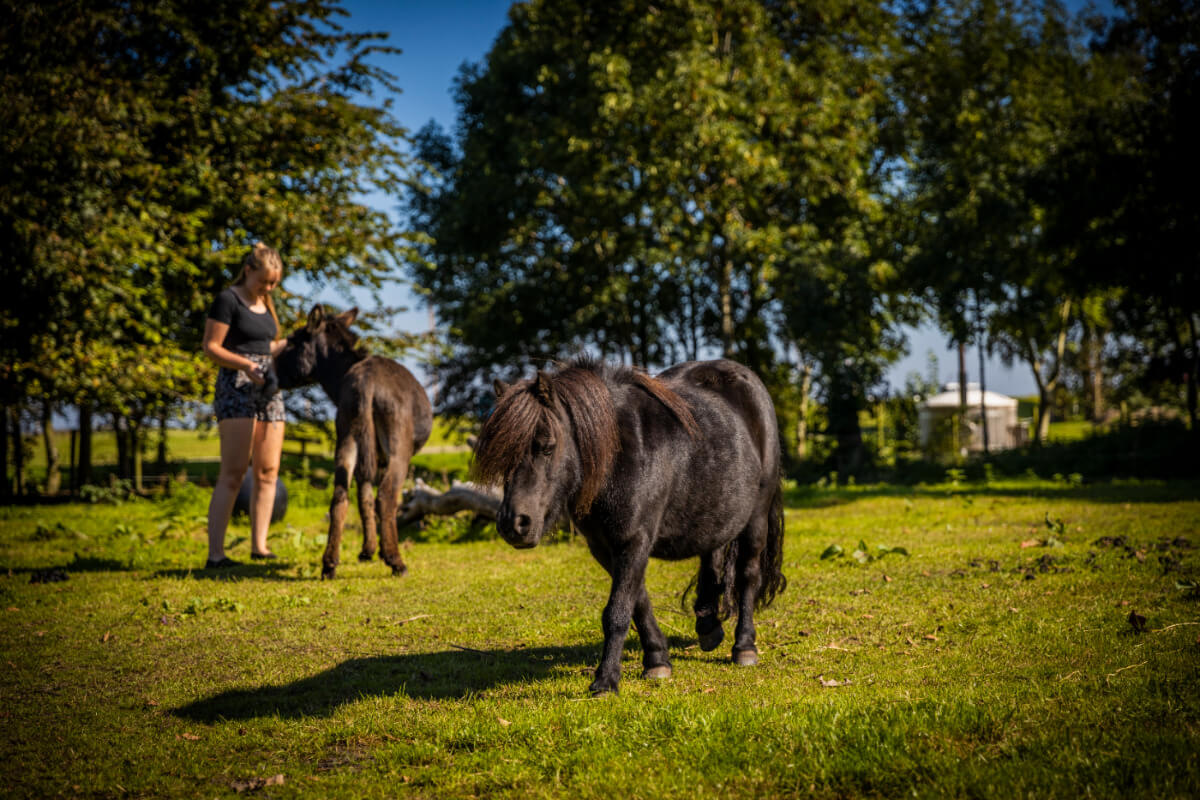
point(423, 500)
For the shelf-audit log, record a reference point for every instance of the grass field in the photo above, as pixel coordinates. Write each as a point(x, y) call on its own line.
point(996, 659)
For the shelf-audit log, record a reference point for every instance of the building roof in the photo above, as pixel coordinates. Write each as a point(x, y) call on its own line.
point(950, 398)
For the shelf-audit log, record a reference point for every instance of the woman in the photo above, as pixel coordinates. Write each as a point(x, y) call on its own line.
point(241, 336)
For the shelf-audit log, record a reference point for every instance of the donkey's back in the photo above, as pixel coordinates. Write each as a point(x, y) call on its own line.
point(384, 408)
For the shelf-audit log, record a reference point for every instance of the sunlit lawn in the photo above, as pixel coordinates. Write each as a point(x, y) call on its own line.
point(996, 659)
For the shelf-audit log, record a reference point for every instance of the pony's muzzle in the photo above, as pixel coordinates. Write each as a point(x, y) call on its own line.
point(515, 528)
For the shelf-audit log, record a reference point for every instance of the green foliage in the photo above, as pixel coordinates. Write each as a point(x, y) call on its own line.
point(142, 148)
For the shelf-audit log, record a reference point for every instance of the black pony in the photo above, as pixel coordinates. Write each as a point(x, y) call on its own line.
point(686, 464)
point(383, 418)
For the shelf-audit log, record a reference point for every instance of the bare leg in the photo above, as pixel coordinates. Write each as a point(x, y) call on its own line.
point(236, 437)
point(268, 450)
point(344, 460)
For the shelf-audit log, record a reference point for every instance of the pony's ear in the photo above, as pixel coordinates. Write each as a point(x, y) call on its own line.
point(347, 317)
point(542, 388)
point(500, 388)
point(316, 315)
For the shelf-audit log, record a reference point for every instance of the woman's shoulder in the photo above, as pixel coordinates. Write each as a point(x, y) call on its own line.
point(224, 305)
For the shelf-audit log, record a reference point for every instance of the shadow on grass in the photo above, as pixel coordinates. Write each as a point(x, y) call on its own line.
point(272, 571)
point(446, 675)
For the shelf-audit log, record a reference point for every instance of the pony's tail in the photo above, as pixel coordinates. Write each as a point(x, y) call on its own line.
point(770, 560)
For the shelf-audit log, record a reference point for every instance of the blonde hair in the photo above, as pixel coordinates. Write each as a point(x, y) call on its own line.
point(262, 256)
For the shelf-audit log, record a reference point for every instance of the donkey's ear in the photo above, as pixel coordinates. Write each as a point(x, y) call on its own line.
point(500, 388)
point(542, 388)
point(316, 315)
point(347, 317)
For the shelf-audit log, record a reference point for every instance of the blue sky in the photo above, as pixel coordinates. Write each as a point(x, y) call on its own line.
point(438, 37)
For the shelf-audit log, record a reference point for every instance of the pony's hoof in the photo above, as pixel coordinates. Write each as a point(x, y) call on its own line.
point(711, 640)
point(399, 570)
point(365, 556)
point(599, 689)
point(328, 573)
point(657, 673)
point(745, 658)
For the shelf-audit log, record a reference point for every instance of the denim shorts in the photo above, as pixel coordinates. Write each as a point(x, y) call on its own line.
point(238, 397)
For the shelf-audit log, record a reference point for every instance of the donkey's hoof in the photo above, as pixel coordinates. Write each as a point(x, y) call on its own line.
point(328, 573)
point(712, 639)
point(745, 658)
point(657, 673)
point(365, 556)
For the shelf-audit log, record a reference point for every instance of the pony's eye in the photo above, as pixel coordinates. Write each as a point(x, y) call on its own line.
point(547, 449)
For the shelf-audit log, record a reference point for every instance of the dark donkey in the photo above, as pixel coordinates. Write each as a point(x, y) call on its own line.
point(686, 464)
point(383, 418)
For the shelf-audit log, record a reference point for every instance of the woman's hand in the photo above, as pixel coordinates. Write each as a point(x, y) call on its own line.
point(255, 373)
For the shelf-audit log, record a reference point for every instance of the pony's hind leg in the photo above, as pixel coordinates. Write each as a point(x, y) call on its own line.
point(749, 580)
point(344, 461)
point(708, 605)
point(366, 513)
point(389, 501)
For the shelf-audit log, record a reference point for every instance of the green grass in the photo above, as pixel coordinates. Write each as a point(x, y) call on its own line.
point(972, 667)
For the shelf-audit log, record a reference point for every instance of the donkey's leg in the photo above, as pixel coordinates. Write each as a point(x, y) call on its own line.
point(628, 585)
point(749, 579)
point(389, 500)
point(708, 605)
point(366, 513)
point(344, 460)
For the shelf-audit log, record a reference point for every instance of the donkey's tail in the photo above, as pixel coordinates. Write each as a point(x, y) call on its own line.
point(770, 560)
point(363, 430)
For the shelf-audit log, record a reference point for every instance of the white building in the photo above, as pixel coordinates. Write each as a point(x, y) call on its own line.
point(937, 413)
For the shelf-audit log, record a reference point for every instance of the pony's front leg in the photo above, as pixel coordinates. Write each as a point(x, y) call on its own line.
point(344, 460)
point(628, 585)
point(656, 662)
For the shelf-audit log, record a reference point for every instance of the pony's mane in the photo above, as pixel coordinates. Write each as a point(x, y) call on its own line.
point(580, 389)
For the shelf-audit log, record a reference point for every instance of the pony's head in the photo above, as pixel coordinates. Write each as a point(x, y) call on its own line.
point(322, 335)
point(551, 441)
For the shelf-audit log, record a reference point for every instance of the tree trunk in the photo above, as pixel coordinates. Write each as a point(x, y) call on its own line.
point(802, 422)
point(135, 443)
point(84, 472)
point(1095, 366)
point(726, 291)
point(121, 433)
point(18, 450)
point(6, 487)
point(844, 405)
point(963, 438)
point(160, 461)
point(1193, 368)
point(53, 473)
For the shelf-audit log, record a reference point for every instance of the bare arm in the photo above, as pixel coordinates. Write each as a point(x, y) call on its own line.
point(214, 335)
point(277, 345)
